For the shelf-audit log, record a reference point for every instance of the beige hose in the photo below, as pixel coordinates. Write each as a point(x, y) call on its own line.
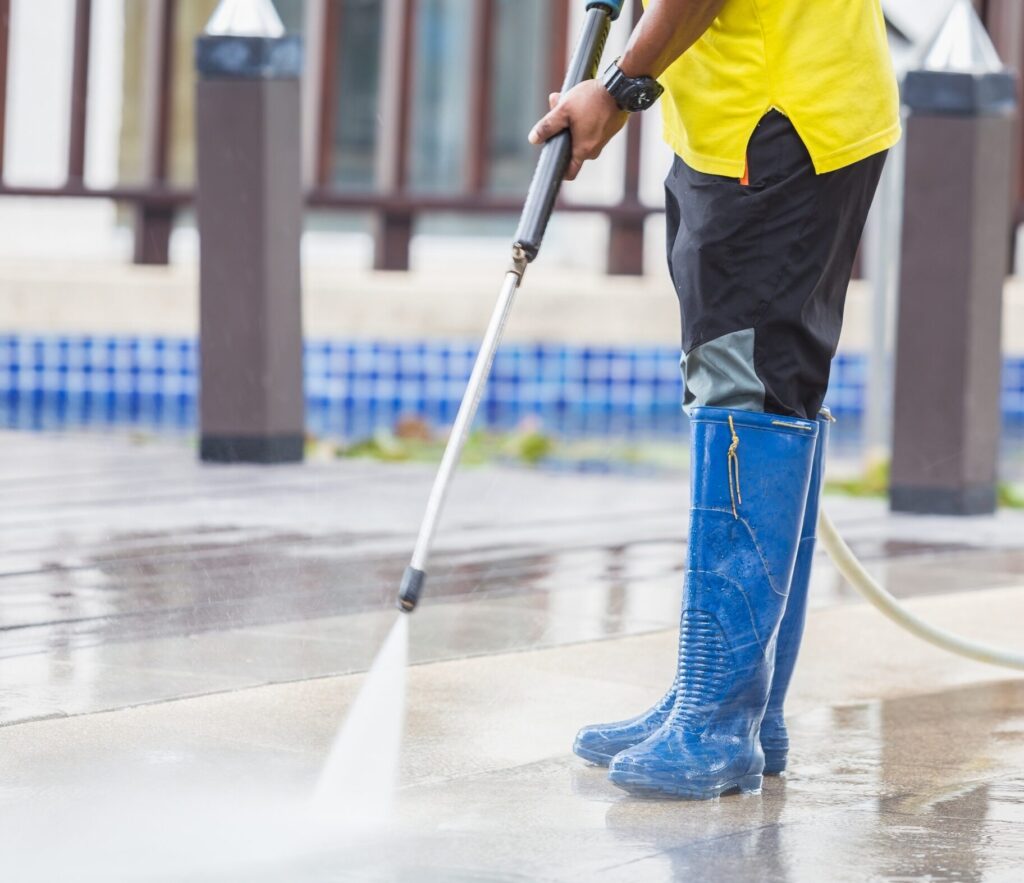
point(863, 582)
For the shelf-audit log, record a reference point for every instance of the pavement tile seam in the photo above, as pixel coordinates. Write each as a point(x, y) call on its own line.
point(263, 685)
point(116, 709)
point(36, 719)
point(519, 651)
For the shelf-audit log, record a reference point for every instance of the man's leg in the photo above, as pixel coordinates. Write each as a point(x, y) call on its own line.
point(761, 271)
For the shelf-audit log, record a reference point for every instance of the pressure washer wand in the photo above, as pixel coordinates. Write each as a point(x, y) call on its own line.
point(540, 202)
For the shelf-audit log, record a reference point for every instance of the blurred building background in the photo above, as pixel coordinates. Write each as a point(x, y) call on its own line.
point(430, 99)
point(415, 116)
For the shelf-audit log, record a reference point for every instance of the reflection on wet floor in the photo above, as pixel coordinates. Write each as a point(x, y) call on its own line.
point(126, 589)
point(923, 788)
point(133, 574)
point(232, 616)
point(928, 787)
point(169, 587)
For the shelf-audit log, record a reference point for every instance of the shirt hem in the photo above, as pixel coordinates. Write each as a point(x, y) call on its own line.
point(829, 162)
point(706, 165)
point(854, 153)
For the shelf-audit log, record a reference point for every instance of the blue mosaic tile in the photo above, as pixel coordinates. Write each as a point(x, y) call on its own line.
point(354, 387)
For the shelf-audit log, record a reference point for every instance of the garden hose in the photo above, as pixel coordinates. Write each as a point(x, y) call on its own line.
point(863, 582)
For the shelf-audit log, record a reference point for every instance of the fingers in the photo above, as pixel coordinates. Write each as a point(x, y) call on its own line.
point(575, 165)
point(556, 121)
point(553, 100)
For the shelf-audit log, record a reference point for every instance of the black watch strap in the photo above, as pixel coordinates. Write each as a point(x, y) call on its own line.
point(631, 94)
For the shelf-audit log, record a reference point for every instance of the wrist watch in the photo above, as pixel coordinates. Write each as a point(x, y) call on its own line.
point(631, 94)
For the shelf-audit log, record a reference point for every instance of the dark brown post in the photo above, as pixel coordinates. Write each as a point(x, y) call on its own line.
point(959, 189)
point(250, 207)
point(626, 236)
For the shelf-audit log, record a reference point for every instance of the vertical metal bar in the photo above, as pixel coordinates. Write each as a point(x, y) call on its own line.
point(314, 27)
point(153, 224)
point(626, 237)
point(406, 55)
point(1015, 25)
point(479, 120)
point(1006, 24)
point(327, 112)
point(1004, 20)
point(634, 138)
point(79, 92)
point(631, 167)
point(5, 35)
point(558, 48)
point(164, 66)
point(393, 236)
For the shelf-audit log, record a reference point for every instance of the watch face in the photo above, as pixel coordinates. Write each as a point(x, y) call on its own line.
point(642, 97)
point(631, 94)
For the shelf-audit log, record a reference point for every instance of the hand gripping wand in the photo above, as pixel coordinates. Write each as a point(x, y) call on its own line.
point(540, 202)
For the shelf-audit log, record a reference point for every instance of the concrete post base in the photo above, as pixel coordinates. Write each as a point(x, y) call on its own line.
point(251, 449)
point(939, 501)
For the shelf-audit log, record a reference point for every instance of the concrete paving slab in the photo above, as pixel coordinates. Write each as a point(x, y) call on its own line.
point(180, 644)
point(923, 775)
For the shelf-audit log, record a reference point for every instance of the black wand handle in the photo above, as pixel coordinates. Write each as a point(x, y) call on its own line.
point(557, 151)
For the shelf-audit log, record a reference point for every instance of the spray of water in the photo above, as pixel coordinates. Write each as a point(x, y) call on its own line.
point(164, 821)
point(358, 782)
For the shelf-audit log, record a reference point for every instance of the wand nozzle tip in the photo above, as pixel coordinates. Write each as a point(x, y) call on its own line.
point(410, 590)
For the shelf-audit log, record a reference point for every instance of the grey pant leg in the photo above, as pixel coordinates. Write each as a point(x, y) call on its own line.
point(720, 374)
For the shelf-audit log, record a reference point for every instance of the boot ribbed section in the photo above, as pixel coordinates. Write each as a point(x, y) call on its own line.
point(705, 664)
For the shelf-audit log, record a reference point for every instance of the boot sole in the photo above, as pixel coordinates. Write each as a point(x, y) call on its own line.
point(594, 757)
point(774, 763)
point(646, 786)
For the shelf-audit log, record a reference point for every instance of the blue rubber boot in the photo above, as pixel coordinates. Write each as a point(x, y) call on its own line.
point(774, 738)
point(750, 474)
point(599, 743)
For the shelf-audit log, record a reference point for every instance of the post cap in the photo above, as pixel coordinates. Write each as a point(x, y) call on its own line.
point(961, 72)
point(246, 40)
point(962, 45)
point(245, 18)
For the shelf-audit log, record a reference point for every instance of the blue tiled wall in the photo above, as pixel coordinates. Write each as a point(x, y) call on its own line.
point(353, 387)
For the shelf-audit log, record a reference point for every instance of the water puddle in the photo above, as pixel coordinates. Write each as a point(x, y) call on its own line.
point(167, 819)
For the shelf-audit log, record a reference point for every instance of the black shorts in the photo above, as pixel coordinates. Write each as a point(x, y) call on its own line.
point(761, 270)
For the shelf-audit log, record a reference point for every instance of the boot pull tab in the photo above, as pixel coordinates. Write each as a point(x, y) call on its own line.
point(734, 470)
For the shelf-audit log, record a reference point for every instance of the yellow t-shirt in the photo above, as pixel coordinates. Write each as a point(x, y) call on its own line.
point(823, 63)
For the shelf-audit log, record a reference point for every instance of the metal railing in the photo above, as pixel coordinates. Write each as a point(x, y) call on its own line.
point(156, 201)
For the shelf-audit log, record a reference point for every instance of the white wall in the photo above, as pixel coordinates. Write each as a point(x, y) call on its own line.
point(39, 103)
point(38, 98)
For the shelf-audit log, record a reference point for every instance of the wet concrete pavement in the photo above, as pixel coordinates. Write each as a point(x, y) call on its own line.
point(195, 634)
